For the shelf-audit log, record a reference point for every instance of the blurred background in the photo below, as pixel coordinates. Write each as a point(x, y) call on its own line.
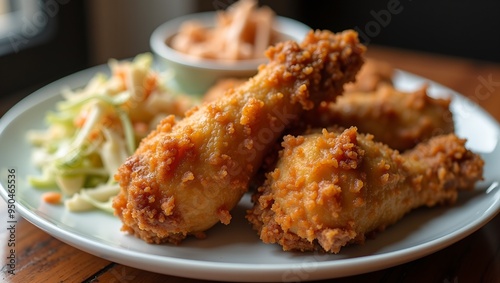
point(44, 40)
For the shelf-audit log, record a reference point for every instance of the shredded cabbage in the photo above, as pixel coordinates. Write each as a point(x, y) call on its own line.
point(94, 129)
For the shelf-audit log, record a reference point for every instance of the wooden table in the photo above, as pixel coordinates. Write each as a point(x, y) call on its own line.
point(42, 258)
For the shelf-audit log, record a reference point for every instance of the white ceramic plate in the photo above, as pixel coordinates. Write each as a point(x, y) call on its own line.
point(234, 252)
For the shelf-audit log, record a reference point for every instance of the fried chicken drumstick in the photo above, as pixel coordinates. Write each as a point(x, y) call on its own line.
point(186, 176)
point(373, 74)
point(333, 188)
point(397, 118)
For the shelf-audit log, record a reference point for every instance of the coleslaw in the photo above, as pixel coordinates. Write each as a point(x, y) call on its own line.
point(94, 129)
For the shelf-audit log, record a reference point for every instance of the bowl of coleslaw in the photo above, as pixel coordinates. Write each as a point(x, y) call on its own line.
point(202, 48)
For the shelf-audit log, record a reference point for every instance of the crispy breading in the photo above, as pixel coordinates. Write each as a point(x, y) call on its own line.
point(186, 176)
point(372, 75)
point(333, 188)
point(400, 119)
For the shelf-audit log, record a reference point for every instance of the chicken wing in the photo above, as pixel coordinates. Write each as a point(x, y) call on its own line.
point(186, 176)
point(333, 188)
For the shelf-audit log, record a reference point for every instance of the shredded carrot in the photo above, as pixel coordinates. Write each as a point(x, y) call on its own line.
point(94, 134)
point(150, 84)
point(109, 120)
point(52, 197)
point(80, 119)
point(121, 73)
point(243, 31)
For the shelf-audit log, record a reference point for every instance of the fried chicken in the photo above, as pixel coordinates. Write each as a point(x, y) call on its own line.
point(222, 87)
point(333, 188)
point(397, 118)
point(186, 176)
point(373, 74)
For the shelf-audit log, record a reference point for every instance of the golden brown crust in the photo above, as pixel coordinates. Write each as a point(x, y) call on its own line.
point(334, 188)
point(221, 88)
point(397, 118)
point(372, 75)
point(186, 176)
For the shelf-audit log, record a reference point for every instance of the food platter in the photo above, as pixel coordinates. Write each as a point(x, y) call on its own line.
point(234, 252)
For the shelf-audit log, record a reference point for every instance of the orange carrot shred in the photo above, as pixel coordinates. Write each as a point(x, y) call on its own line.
point(52, 197)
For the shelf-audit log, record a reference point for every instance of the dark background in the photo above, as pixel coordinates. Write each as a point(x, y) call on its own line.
point(62, 53)
point(459, 28)
point(463, 28)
